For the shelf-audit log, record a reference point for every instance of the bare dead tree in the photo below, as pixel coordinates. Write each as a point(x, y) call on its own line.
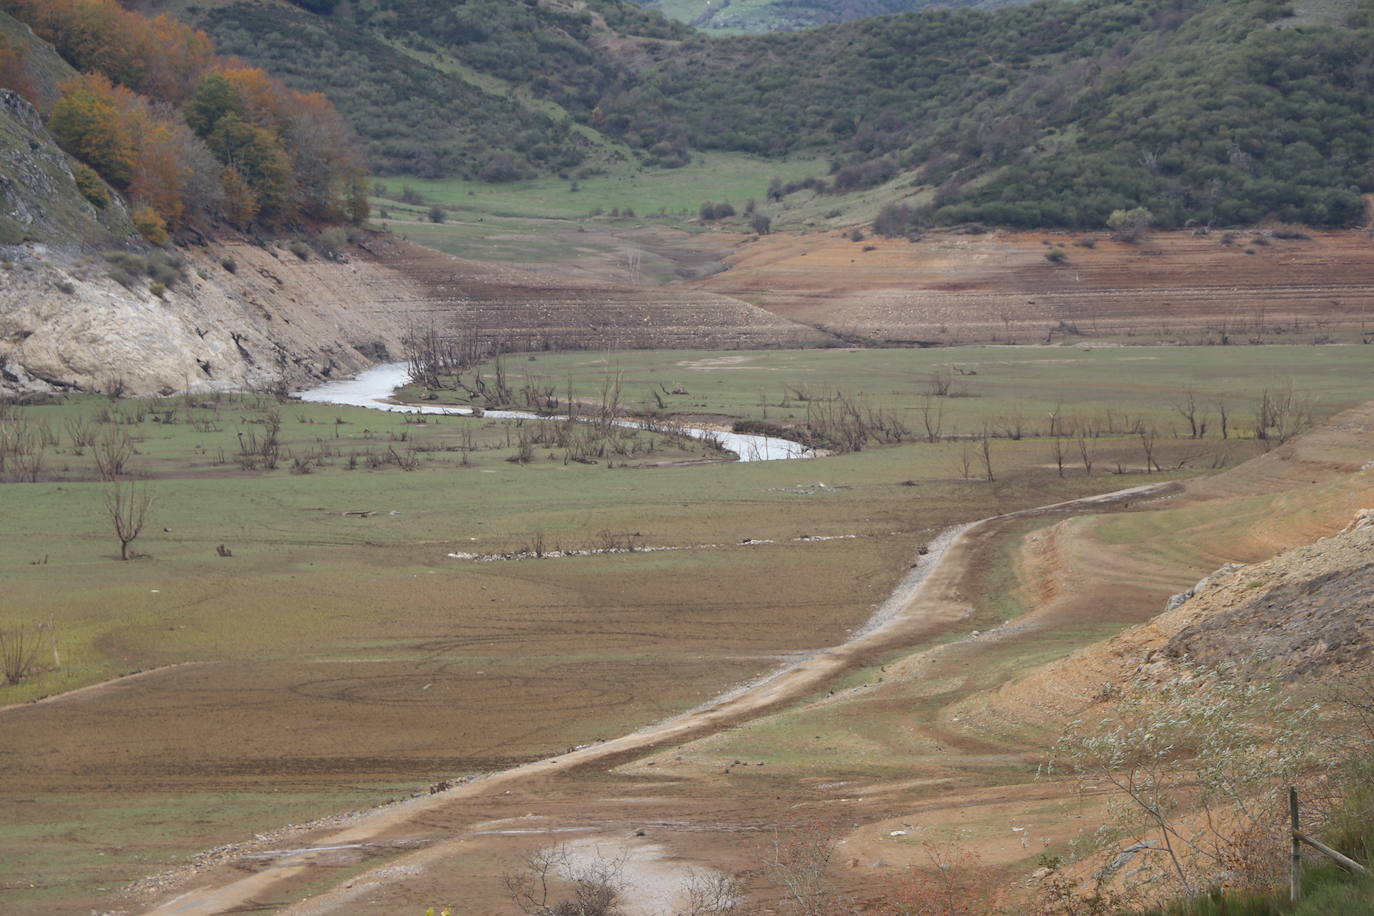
point(1012, 426)
point(985, 453)
point(1282, 414)
point(939, 381)
point(965, 460)
point(1055, 419)
point(1148, 438)
point(1187, 408)
point(502, 395)
point(22, 447)
point(81, 432)
point(932, 418)
point(609, 408)
point(532, 887)
point(713, 894)
point(112, 453)
point(1060, 452)
point(436, 357)
point(128, 506)
point(1085, 454)
point(553, 882)
point(1224, 416)
point(798, 865)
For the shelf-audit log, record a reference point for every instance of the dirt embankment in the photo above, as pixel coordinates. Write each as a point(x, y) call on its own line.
point(1222, 287)
point(1278, 592)
point(537, 310)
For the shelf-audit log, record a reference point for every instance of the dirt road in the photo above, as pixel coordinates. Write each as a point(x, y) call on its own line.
point(926, 601)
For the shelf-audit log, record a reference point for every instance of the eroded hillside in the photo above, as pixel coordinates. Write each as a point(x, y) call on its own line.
point(1216, 287)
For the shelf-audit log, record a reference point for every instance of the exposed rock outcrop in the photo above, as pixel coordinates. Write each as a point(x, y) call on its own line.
point(65, 323)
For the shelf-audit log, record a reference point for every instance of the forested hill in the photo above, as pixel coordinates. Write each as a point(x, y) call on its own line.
point(148, 109)
point(1054, 113)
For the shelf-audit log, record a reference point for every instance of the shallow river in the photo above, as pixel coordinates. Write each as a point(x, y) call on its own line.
point(374, 387)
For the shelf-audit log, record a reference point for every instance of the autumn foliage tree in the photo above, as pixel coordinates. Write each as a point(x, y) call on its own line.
point(15, 70)
point(92, 122)
point(158, 57)
point(143, 150)
point(190, 137)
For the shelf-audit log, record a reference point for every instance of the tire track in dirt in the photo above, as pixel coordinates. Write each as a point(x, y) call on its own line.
point(102, 687)
point(920, 605)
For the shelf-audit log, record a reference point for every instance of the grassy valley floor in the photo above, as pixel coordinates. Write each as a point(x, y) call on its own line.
point(341, 657)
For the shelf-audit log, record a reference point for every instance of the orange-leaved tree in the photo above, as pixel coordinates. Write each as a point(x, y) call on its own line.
point(228, 141)
point(158, 57)
point(148, 153)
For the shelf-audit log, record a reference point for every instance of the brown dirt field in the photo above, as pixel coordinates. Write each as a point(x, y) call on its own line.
point(906, 742)
point(571, 652)
point(938, 606)
point(949, 288)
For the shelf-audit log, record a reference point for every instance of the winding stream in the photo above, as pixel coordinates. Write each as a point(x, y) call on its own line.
point(374, 388)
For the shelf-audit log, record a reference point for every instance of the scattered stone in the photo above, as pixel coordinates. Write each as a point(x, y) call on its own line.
point(1203, 584)
point(1363, 519)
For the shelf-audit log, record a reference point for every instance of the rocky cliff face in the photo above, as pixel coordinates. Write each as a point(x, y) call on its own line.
point(65, 323)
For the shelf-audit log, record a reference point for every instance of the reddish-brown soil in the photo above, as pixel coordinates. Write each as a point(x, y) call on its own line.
point(949, 287)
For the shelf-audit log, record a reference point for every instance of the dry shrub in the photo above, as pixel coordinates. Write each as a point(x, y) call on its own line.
point(18, 652)
point(953, 884)
point(555, 882)
point(1198, 768)
point(797, 864)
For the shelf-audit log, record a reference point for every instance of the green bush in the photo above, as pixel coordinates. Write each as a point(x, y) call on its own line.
point(1199, 110)
point(416, 119)
point(127, 268)
point(331, 243)
point(165, 269)
point(124, 278)
point(90, 186)
point(893, 221)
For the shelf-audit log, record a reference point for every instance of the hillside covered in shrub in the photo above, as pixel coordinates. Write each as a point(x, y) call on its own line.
point(1052, 113)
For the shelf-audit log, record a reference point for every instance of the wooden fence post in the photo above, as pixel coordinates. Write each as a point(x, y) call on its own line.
point(1295, 877)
